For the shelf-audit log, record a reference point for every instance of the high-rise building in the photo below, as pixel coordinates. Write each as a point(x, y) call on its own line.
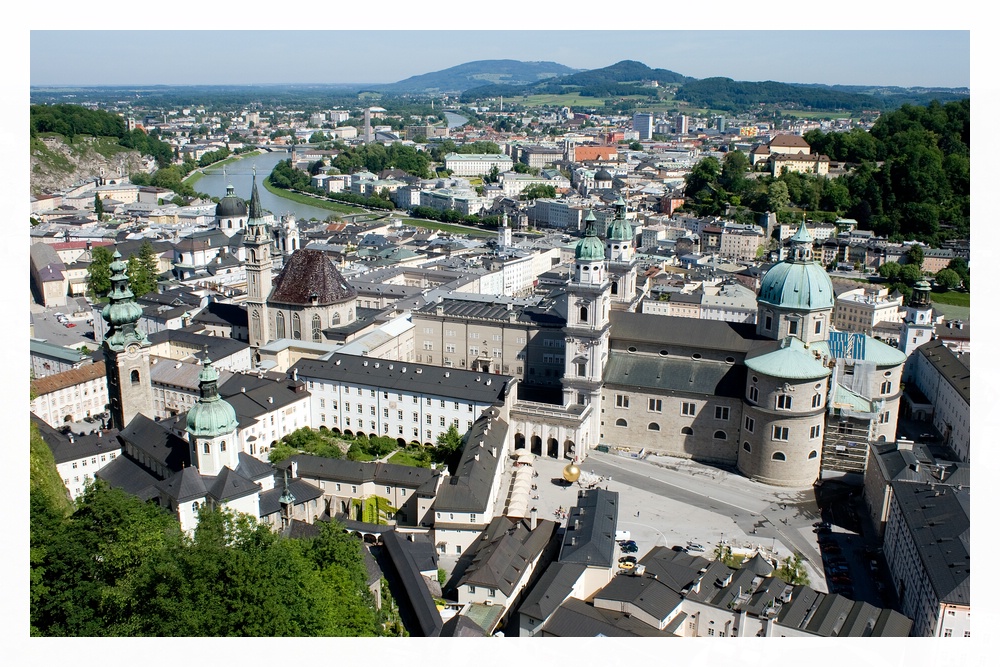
point(643, 124)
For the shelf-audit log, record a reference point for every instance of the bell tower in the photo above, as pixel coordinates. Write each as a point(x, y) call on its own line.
point(588, 331)
point(211, 426)
point(126, 352)
point(918, 323)
point(257, 241)
point(619, 251)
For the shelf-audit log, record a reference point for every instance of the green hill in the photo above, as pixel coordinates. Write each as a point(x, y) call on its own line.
point(478, 73)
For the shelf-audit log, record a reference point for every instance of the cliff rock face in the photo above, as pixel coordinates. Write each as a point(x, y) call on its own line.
point(56, 165)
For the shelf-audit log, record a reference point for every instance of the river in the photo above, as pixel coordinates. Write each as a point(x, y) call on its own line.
point(240, 175)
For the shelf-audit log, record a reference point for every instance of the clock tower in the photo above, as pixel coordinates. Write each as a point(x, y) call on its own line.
point(126, 352)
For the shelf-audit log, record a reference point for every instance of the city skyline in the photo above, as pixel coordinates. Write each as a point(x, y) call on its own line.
point(906, 58)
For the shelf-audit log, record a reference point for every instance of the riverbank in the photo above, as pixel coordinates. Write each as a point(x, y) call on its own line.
point(335, 207)
point(196, 175)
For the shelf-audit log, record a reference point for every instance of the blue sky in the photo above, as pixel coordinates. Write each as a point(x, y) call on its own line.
point(177, 57)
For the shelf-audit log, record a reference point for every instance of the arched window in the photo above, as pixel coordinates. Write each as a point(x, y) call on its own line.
point(687, 430)
point(194, 505)
point(778, 456)
point(583, 313)
point(222, 446)
point(719, 435)
point(614, 287)
point(335, 320)
point(746, 446)
point(317, 329)
point(812, 454)
point(208, 448)
point(296, 327)
point(621, 422)
point(279, 325)
point(255, 326)
point(135, 377)
point(653, 426)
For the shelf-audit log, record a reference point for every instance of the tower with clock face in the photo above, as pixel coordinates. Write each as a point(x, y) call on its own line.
point(257, 241)
point(126, 352)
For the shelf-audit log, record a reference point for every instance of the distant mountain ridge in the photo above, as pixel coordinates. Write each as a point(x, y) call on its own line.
point(478, 73)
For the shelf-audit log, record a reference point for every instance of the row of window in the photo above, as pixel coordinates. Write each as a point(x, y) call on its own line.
point(778, 456)
point(656, 405)
point(93, 460)
point(781, 401)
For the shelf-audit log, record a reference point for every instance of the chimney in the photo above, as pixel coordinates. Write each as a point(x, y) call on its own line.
point(295, 374)
point(295, 468)
point(534, 518)
point(270, 399)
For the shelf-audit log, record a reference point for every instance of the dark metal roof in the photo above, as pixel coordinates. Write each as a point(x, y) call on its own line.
point(253, 468)
point(183, 486)
point(576, 618)
point(229, 485)
point(157, 443)
point(417, 593)
point(646, 593)
point(677, 374)
point(82, 446)
point(589, 538)
point(504, 551)
point(552, 588)
point(125, 474)
point(307, 273)
point(303, 491)
point(949, 365)
point(359, 472)
point(682, 331)
point(399, 376)
point(468, 490)
point(937, 517)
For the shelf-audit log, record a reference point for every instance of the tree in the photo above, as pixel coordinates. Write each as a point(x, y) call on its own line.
point(947, 278)
point(142, 270)
point(99, 271)
point(538, 191)
point(792, 571)
point(777, 196)
point(960, 266)
point(910, 273)
point(915, 255)
point(448, 444)
point(99, 207)
point(890, 270)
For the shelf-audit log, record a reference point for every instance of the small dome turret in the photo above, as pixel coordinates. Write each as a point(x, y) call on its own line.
point(590, 248)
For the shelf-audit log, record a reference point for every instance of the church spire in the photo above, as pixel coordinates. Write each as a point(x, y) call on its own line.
point(256, 211)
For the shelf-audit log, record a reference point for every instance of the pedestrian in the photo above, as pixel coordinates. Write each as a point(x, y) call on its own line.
point(637, 515)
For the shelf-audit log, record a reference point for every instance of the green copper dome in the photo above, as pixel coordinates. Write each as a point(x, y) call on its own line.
point(791, 361)
point(620, 229)
point(798, 283)
point(211, 416)
point(590, 248)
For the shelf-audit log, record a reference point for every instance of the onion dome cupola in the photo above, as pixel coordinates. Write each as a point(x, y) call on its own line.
point(921, 296)
point(620, 230)
point(590, 248)
point(122, 312)
point(211, 416)
point(798, 283)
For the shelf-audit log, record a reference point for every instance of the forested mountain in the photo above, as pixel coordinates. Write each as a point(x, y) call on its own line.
point(477, 73)
point(729, 95)
point(623, 78)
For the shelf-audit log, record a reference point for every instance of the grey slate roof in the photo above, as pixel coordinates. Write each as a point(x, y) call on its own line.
point(468, 490)
point(253, 468)
point(937, 517)
point(552, 588)
point(646, 593)
point(229, 485)
point(302, 490)
point(503, 552)
point(676, 569)
point(683, 331)
point(576, 618)
point(675, 374)
point(93, 444)
point(949, 365)
point(218, 347)
point(185, 485)
point(407, 377)
point(359, 472)
point(417, 593)
point(157, 443)
point(125, 474)
point(590, 529)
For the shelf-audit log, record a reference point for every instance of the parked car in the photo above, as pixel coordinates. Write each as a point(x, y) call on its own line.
point(627, 562)
point(694, 546)
point(622, 536)
point(627, 543)
point(629, 547)
point(69, 325)
point(821, 524)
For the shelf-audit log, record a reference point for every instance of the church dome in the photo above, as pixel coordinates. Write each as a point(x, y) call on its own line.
point(798, 283)
point(121, 308)
point(211, 416)
point(590, 248)
point(230, 206)
point(620, 230)
point(797, 286)
point(603, 175)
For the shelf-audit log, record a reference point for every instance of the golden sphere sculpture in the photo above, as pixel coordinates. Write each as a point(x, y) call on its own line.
point(571, 473)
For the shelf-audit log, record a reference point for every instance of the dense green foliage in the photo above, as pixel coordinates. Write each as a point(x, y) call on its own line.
point(376, 158)
point(99, 271)
point(72, 120)
point(287, 177)
point(729, 95)
point(120, 567)
point(920, 191)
